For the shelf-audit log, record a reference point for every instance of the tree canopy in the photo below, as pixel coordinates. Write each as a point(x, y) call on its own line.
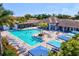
point(43, 24)
point(76, 17)
point(69, 48)
point(4, 13)
point(6, 16)
point(28, 16)
point(42, 16)
point(63, 16)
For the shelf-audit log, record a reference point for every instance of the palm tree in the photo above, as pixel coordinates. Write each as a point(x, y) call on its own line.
point(3, 15)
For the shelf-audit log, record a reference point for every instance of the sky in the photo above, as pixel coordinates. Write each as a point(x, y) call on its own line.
point(20, 9)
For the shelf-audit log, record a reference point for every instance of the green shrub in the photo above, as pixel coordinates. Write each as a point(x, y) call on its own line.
point(68, 48)
point(43, 24)
point(8, 50)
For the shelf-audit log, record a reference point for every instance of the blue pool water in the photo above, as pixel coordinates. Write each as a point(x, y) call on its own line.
point(55, 43)
point(26, 36)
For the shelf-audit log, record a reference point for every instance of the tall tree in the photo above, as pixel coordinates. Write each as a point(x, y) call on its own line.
point(76, 16)
point(42, 16)
point(28, 16)
point(63, 16)
point(21, 19)
point(4, 13)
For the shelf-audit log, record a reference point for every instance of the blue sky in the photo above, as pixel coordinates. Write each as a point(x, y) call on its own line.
point(21, 9)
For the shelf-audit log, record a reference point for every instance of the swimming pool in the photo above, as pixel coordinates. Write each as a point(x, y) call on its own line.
point(26, 36)
point(55, 43)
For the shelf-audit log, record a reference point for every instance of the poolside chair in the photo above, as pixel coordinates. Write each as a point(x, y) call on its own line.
point(26, 54)
point(75, 32)
point(21, 50)
point(13, 42)
point(55, 49)
point(63, 37)
point(70, 34)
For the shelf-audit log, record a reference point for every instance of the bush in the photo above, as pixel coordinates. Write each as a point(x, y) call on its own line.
point(4, 41)
point(43, 24)
point(68, 48)
point(8, 50)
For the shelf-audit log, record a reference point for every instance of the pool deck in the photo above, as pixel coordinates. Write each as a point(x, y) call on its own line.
point(27, 46)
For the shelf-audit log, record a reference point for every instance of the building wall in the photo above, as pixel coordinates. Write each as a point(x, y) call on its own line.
point(60, 28)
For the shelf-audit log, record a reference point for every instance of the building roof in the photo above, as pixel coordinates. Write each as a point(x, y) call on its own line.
point(31, 21)
point(63, 22)
point(39, 51)
point(69, 23)
point(54, 20)
point(51, 20)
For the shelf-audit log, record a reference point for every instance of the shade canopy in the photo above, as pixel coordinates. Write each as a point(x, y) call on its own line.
point(39, 51)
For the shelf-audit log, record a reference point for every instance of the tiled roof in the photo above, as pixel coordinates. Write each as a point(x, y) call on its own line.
point(63, 22)
point(69, 23)
point(31, 21)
